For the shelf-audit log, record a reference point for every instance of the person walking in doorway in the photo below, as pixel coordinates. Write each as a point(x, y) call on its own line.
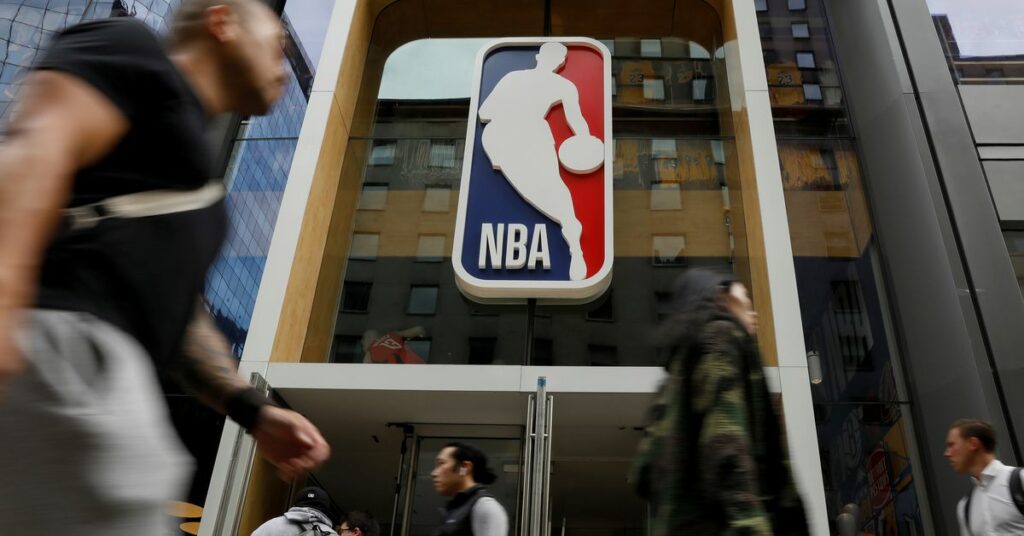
point(461, 472)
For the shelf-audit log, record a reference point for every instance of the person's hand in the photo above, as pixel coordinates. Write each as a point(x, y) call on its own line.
point(289, 441)
point(11, 360)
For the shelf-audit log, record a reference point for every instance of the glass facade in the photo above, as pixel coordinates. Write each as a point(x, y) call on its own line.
point(861, 413)
point(672, 176)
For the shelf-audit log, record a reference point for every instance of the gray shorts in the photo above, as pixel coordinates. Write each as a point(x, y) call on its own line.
point(86, 442)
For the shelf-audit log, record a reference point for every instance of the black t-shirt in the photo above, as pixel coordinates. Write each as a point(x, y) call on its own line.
point(141, 274)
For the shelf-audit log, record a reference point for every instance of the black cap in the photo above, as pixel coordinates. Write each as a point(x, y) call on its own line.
point(316, 498)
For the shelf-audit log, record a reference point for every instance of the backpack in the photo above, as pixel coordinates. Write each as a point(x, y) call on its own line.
point(1016, 493)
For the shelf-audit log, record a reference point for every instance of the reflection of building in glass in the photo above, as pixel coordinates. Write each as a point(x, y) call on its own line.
point(860, 418)
point(399, 271)
point(968, 69)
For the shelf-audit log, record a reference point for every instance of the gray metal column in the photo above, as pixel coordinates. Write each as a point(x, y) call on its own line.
point(991, 282)
point(938, 332)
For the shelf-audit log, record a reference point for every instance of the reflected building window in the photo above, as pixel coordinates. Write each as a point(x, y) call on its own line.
point(364, 246)
point(761, 5)
point(421, 347)
point(437, 199)
point(797, 5)
point(812, 92)
point(654, 89)
point(355, 297)
point(805, 60)
point(543, 352)
point(422, 300)
point(603, 312)
point(663, 148)
point(668, 250)
point(442, 154)
point(383, 153)
point(481, 350)
point(430, 248)
point(347, 349)
point(650, 48)
point(666, 196)
point(374, 196)
point(800, 30)
point(600, 355)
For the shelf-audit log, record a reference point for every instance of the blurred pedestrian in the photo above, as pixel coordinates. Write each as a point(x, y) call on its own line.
point(109, 221)
point(461, 472)
point(310, 515)
point(359, 523)
point(713, 460)
point(995, 504)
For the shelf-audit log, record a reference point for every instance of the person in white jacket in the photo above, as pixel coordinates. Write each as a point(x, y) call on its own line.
point(311, 514)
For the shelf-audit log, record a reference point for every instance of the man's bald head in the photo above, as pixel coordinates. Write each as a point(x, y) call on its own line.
point(191, 21)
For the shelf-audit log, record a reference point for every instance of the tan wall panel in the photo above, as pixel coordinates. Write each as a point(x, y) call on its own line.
point(755, 250)
point(266, 497)
point(309, 252)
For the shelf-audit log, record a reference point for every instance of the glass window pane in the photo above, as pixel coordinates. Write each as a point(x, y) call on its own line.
point(430, 248)
point(602, 355)
point(347, 349)
point(383, 153)
point(761, 5)
point(654, 89)
point(364, 246)
point(797, 5)
point(481, 350)
point(669, 250)
point(801, 30)
point(373, 197)
point(355, 297)
point(805, 60)
point(666, 196)
point(650, 48)
point(700, 89)
point(812, 92)
point(662, 148)
point(442, 154)
point(437, 199)
point(422, 300)
point(420, 347)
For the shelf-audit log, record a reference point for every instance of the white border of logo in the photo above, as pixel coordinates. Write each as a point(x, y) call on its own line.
point(485, 290)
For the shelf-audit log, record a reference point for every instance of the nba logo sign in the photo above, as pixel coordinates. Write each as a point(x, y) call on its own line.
point(535, 203)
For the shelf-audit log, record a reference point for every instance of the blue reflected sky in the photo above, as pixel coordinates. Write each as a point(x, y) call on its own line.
point(309, 18)
point(984, 27)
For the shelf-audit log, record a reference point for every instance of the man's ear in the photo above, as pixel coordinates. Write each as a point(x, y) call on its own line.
point(974, 443)
point(222, 23)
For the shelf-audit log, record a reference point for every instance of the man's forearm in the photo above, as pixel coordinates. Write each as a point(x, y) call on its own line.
point(207, 366)
point(34, 187)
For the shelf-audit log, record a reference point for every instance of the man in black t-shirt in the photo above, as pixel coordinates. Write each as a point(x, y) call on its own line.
point(108, 224)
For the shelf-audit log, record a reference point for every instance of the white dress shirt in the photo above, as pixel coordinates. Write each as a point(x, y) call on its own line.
point(992, 510)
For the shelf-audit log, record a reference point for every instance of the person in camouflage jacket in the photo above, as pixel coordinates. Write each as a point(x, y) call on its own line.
point(712, 461)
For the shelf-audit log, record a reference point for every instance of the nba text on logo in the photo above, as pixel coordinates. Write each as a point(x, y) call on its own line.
point(535, 205)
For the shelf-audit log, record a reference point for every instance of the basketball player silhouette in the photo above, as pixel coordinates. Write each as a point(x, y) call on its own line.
point(518, 141)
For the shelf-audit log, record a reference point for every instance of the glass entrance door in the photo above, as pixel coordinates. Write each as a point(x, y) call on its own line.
point(503, 446)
